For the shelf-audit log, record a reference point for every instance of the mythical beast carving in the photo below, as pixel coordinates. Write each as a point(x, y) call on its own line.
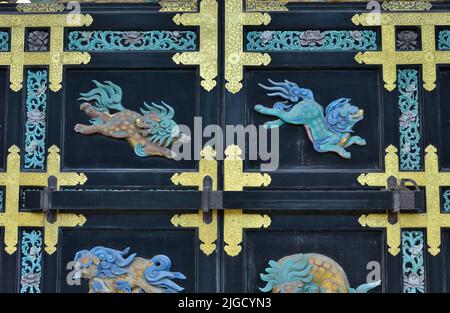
point(150, 133)
point(328, 132)
point(309, 273)
point(108, 271)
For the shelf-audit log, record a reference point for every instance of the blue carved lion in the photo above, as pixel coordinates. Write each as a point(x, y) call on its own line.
point(309, 273)
point(328, 131)
point(150, 133)
point(109, 271)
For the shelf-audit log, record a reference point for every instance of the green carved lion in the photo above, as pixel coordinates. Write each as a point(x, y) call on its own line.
point(328, 131)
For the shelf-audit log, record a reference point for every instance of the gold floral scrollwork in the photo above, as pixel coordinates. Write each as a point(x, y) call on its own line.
point(178, 5)
point(235, 57)
point(389, 58)
point(266, 5)
point(433, 220)
point(55, 58)
point(13, 179)
point(207, 233)
point(207, 56)
point(406, 5)
point(235, 220)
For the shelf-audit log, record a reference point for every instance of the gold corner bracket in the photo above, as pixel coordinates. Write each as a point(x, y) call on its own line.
point(55, 58)
point(235, 220)
point(11, 219)
point(235, 57)
point(433, 220)
point(411, 5)
point(266, 5)
point(207, 56)
point(207, 233)
point(178, 5)
point(389, 58)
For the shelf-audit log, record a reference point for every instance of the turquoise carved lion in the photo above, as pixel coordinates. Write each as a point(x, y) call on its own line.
point(109, 271)
point(329, 131)
point(309, 273)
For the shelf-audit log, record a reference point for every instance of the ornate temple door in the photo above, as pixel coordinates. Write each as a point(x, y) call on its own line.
point(332, 174)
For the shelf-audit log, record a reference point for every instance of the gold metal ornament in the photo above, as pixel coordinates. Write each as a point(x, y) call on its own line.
point(389, 58)
point(207, 56)
point(12, 218)
point(207, 233)
point(235, 57)
point(17, 58)
point(266, 5)
point(406, 5)
point(235, 220)
point(40, 7)
point(433, 220)
point(178, 5)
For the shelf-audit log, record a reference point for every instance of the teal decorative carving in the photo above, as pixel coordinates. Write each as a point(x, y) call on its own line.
point(329, 133)
point(109, 271)
point(31, 258)
point(309, 273)
point(35, 125)
point(446, 197)
point(409, 121)
point(413, 262)
point(4, 41)
point(150, 133)
point(132, 41)
point(312, 40)
point(444, 40)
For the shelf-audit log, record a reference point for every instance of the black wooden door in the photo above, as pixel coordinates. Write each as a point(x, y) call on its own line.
point(350, 100)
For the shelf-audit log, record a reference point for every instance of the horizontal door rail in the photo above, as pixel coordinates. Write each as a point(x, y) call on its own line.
point(372, 201)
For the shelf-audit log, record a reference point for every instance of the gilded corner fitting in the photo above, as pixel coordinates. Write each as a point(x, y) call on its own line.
point(389, 58)
point(235, 220)
point(13, 179)
point(433, 220)
point(207, 233)
point(235, 57)
point(207, 56)
point(55, 58)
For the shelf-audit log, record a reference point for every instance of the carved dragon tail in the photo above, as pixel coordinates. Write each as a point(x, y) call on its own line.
point(364, 288)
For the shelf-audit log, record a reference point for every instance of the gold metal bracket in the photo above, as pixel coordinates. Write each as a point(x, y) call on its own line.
point(235, 57)
point(207, 233)
point(55, 58)
point(389, 58)
point(412, 5)
point(235, 220)
point(207, 56)
point(433, 220)
point(266, 5)
point(12, 218)
point(178, 5)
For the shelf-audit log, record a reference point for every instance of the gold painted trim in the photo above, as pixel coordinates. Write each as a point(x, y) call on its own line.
point(433, 220)
point(389, 58)
point(12, 218)
point(207, 233)
point(235, 220)
point(235, 57)
point(207, 56)
point(40, 7)
point(18, 58)
point(266, 5)
point(406, 5)
point(178, 5)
